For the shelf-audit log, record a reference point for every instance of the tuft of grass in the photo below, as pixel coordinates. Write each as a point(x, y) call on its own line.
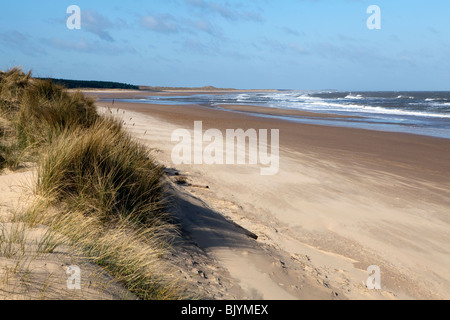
point(11, 156)
point(102, 170)
point(12, 85)
point(12, 240)
point(47, 110)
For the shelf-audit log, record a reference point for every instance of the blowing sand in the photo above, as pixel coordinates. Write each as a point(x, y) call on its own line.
point(343, 200)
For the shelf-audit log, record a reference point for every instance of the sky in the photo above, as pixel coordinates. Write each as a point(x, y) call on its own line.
point(245, 44)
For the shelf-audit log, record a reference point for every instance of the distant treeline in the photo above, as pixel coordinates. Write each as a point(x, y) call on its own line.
point(76, 84)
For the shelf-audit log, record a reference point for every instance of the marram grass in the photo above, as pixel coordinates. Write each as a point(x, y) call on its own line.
point(101, 170)
point(47, 110)
point(96, 187)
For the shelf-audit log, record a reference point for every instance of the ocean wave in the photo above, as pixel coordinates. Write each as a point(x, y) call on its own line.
point(381, 110)
point(441, 104)
point(357, 97)
point(359, 108)
point(242, 97)
point(352, 103)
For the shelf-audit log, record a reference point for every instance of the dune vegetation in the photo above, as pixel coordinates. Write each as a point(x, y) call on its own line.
point(96, 188)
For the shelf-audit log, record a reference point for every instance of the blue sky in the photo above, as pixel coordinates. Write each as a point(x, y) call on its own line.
point(284, 44)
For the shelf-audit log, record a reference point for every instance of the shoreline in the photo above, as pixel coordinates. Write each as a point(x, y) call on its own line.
point(344, 199)
point(422, 126)
point(402, 150)
point(131, 94)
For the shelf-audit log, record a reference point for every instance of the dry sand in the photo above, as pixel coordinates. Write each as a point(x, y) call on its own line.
point(343, 200)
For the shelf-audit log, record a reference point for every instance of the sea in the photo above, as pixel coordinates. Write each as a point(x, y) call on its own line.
point(421, 113)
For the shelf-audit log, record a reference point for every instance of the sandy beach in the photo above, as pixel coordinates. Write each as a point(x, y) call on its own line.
point(225, 154)
point(222, 150)
point(344, 199)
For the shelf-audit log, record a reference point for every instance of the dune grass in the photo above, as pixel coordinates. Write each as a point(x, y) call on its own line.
point(47, 110)
point(95, 186)
point(11, 155)
point(127, 250)
point(103, 171)
point(38, 111)
point(12, 84)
